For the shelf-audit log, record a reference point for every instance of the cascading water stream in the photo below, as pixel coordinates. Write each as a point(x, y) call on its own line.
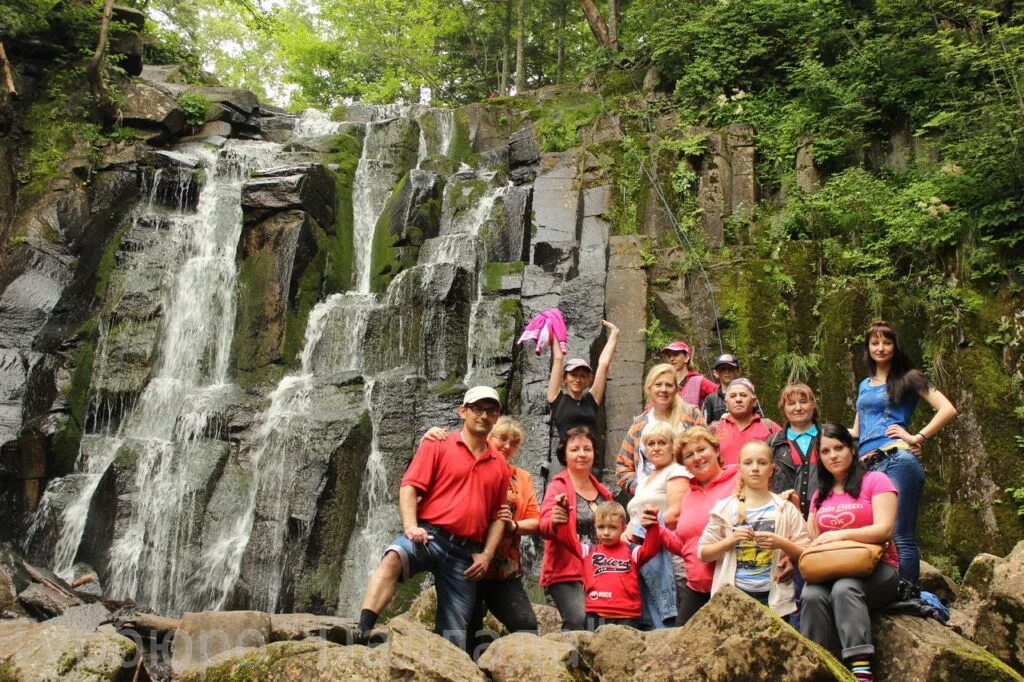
point(278, 442)
point(163, 434)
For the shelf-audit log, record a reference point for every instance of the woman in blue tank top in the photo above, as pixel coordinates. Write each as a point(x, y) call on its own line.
point(885, 402)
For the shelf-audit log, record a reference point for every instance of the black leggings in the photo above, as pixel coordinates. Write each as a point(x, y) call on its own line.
point(690, 602)
point(508, 601)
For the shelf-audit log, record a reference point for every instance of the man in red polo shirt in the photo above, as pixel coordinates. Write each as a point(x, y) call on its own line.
point(741, 424)
point(449, 501)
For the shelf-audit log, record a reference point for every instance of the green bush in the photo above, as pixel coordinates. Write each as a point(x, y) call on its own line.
point(195, 108)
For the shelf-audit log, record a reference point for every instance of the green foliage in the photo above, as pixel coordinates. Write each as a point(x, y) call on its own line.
point(655, 337)
point(194, 106)
point(560, 130)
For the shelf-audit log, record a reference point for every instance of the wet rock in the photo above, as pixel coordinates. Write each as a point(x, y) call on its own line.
point(215, 129)
point(308, 187)
point(85, 618)
point(202, 636)
point(176, 179)
point(47, 652)
point(46, 602)
point(523, 146)
point(272, 255)
point(522, 657)
point(732, 638)
point(300, 626)
point(911, 648)
point(131, 349)
point(489, 126)
point(413, 213)
point(555, 214)
point(36, 278)
point(144, 106)
point(57, 217)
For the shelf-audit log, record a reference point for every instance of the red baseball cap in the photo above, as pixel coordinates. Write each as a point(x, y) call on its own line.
point(677, 347)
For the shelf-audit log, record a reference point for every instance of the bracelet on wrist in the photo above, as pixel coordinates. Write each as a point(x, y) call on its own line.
point(923, 437)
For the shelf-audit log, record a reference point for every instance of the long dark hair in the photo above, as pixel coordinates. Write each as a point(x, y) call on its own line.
point(575, 432)
point(903, 379)
point(854, 476)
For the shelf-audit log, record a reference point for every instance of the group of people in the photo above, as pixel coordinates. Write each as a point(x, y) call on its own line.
point(715, 494)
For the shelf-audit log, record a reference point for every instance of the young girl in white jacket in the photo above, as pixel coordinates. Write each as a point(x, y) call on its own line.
point(748, 532)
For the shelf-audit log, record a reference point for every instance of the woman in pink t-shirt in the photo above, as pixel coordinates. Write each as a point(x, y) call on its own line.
point(851, 503)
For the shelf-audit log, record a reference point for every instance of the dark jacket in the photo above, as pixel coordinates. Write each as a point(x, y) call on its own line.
point(792, 470)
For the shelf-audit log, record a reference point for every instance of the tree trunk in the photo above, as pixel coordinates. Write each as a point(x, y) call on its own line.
point(96, 61)
point(596, 22)
point(506, 49)
point(521, 47)
point(613, 21)
point(560, 41)
point(8, 76)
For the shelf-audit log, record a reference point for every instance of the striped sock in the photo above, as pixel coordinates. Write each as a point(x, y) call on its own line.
point(861, 669)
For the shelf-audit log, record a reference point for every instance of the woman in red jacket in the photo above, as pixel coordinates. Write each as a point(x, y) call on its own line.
point(562, 571)
point(711, 482)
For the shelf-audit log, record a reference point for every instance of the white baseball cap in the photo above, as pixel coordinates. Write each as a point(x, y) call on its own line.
point(478, 393)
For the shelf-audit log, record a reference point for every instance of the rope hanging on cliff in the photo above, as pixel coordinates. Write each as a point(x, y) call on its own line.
point(652, 176)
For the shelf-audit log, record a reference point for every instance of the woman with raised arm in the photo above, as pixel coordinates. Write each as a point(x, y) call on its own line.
point(885, 402)
point(576, 406)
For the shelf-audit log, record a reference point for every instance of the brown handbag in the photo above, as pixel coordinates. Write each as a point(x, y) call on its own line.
point(840, 559)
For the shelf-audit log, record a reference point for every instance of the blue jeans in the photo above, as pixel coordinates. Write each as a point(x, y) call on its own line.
point(658, 592)
point(456, 596)
point(906, 472)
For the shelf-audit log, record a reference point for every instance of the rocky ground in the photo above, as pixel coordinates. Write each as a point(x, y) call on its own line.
point(53, 630)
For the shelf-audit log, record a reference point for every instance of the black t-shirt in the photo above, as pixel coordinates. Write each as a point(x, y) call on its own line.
point(567, 412)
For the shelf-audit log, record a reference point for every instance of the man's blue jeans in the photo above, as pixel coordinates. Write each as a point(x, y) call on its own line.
point(456, 596)
point(906, 472)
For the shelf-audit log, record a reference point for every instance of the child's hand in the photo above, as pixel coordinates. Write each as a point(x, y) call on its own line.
point(784, 569)
point(649, 518)
point(740, 534)
point(766, 540)
point(505, 515)
point(435, 433)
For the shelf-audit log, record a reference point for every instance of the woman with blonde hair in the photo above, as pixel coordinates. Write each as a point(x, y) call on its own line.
point(662, 391)
point(711, 482)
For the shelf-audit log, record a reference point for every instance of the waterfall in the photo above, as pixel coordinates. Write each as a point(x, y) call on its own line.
point(375, 526)
point(278, 442)
point(315, 123)
point(164, 432)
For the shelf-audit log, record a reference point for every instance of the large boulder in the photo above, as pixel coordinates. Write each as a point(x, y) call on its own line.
point(415, 652)
point(922, 649)
point(144, 106)
point(300, 626)
point(997, 589)
point(939, 584)
point(412, 652)
point(50, 652)
point(308, 187)
point(523, 657)
point(733, 637)
point(201, 637)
